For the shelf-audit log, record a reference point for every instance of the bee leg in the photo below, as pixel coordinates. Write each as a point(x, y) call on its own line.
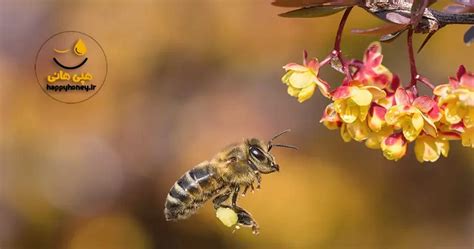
point(245, 219)
point(220, 199)
point(247, 188)
point(235, 195)
point(259, 180)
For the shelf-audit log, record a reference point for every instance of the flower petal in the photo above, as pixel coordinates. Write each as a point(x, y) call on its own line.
point(285, 77)
point(295, 67)
point(348, 111)
point(313, 64)
point(394, 147)
point(449, 135)
point(393, 114)
point(401, 97)
point(373, 141)
point(323, 87)
point(461, 71)
point(429, 127)
point(306, 93)
point(443, 147)
point(451, 113)
point(394, 85)
point(373, 53)
point(442, 90)
point(330, 118)
point(467, 81)
point(345, 134)
point(376, 117)
point(424, 103)
point(467, 138)
point(435, 114)
point(410, 132)
point(417, 121)
point(341, 92)
point(376, 92)
point(358, 130)
point(426, 149)
point(361, 97)
point(375, 138)
point(293, 91)
point(468, 119)
point(301, 79)
point(363, 111)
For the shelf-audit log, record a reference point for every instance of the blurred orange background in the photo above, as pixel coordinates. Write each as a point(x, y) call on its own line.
point(185, 79)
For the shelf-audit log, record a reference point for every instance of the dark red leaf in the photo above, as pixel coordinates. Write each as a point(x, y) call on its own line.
point(311, 3)
point(385, 29)
point(458, 9)
point(466, 2)
point(310, 12)
point(397, 18)
point(390, 37)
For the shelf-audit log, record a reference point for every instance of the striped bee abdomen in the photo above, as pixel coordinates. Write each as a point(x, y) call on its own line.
point(191, 191)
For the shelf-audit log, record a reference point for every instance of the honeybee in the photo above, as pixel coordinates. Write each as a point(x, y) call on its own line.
point(235, 168)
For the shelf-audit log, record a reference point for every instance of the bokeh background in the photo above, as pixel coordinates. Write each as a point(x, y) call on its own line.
point(185, 79)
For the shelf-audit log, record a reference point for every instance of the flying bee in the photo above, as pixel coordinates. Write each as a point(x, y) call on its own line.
point(235, 168)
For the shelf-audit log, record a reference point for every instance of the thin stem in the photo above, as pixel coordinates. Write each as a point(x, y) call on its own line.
point(425, 81)
point(336, 52)
point(411, 55)
point(326, 60)
point(337, 43)
point(415, 77)
point(417, 13)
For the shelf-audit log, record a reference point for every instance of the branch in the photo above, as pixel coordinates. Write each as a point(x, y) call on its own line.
point(431, 21)
point(444, 18)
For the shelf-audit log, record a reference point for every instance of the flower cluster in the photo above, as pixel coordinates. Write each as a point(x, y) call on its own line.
point(303, 79)
point(371, 106)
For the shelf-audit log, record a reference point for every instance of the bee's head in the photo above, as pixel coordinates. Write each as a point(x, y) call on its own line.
point(260, 158)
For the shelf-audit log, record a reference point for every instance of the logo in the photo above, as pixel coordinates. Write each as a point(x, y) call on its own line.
point(71, 67)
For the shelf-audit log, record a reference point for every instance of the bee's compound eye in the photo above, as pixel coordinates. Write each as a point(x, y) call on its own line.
point(257, 153)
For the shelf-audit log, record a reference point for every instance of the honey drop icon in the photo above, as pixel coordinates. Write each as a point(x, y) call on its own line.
point(80, 48)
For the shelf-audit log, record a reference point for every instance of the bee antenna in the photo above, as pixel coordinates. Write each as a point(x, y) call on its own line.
point(270, 145)
point(285, 146)
point(279, 134)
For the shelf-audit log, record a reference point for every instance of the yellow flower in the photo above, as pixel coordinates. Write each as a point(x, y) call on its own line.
point(345, 133)
point(409, 120)
point(375, 139)
point(376, 118)
point(330, 118)
point(372, 72)
point(429, 149)
point(352, 102)
point(359, 131)
point(303, 79)
point(457, 98)
point(413, 116)
point(467, 137)
point(394, 147)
